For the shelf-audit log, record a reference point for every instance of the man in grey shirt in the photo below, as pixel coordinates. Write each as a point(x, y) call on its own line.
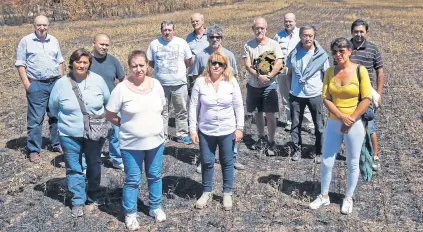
point(108, 67)
point(215, 37)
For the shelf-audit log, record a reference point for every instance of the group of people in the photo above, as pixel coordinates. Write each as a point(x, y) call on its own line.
point(202, 69)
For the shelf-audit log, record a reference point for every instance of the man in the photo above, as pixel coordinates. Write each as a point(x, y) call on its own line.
point(197, 41)
point(306, 65)
point(108, 67)
point(366, 53)
point(170, 56)
point(288, 38)
point(261, 88)
point(39, 63)
point(215, 37)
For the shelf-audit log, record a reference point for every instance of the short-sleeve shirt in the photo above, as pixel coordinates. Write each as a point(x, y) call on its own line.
point(203, 57)
point(109, 68)
point(346, 97)
point(64, 105)
point(367, 55)
point(312, 87)
point(169, 60)
point(253, 50)
point(286, 42)
point(141, 115)
point(40, 58)
point(197, 45)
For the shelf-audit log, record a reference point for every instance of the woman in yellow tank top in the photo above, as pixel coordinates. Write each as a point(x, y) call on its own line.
point(346, 97)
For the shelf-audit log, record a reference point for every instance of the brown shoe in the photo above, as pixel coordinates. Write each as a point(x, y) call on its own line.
point(34, 157)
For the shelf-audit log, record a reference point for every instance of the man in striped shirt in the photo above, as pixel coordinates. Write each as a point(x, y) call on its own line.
point(366, 53)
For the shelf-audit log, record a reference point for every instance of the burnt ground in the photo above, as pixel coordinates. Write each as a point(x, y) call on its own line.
point(273, 193)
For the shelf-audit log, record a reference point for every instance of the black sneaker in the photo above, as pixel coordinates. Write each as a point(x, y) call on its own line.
point(296, 156)
point(77, 211)
point(260, 144)
point(271, 149)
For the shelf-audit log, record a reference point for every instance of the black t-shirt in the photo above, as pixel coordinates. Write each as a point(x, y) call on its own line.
point(109, 68)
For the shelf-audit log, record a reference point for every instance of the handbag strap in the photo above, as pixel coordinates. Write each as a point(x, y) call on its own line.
point(78, 95)
point(359, 79)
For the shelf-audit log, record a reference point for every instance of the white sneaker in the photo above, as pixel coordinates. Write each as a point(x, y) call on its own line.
point(319, 202)
point(131, 222)
point(118, 166)
point(203, 200)
point(347, 205)
point(158, 214)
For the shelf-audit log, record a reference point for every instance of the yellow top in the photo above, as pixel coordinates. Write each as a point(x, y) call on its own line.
point(346, 97)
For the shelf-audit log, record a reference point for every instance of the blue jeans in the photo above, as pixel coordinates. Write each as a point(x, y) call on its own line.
point(353, 141)
point(73, 148)
point(208, 145)
point(114, 150)
point(38, 95)
point(132, 161)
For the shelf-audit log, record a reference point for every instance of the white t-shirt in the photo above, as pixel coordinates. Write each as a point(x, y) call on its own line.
point(169, 60)
point(141, 116)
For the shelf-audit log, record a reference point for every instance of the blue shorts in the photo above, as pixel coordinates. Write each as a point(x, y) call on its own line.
point(371, 128)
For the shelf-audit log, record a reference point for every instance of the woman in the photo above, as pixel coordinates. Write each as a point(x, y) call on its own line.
point(140, 100)
point(216, 103)
point(64, 104)
point(346, 96)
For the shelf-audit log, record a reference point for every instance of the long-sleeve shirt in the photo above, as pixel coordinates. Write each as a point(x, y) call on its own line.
point(64, 105)
point(214, 112)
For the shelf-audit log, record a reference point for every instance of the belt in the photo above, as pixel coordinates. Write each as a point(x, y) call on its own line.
point(49, 80)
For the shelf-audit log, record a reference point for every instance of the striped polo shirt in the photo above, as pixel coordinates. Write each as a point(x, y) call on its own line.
point(367, 55)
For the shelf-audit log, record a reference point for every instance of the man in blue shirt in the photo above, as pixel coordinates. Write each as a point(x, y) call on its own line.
point(39, 63)
point(108, 67)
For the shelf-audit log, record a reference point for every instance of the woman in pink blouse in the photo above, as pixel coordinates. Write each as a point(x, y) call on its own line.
point(216, 118)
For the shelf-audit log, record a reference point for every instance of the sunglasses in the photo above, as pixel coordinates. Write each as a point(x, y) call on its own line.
point(220, 64)
point(341, 51)
point(215, 37)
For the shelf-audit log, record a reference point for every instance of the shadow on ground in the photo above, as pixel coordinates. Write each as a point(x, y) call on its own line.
point(306, 188)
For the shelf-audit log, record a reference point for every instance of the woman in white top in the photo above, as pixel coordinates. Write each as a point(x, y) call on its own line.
point(140, 100)
point(216, 118)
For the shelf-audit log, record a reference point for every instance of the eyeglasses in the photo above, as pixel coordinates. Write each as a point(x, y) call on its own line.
point(215, 37)
point(341, 51)
point(220, 64)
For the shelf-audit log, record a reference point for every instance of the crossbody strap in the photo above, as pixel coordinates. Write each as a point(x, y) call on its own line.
point(78, 95)
point(359, 79)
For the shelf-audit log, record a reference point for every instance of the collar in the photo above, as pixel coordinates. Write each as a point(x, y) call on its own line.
point(361, 47)
point(293, 31)
point(205, 33)
point(34, 37)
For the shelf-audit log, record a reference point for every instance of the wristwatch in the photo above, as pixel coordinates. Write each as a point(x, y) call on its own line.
point(269, 77)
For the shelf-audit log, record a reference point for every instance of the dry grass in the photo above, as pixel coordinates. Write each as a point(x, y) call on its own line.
point(273, 194)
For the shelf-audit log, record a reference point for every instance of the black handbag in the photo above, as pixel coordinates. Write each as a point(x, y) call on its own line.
point(369, 114)
point(96, 127)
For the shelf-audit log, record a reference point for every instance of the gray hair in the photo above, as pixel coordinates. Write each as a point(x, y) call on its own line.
point(167, 22)
point(308, 26)
point(215, 29)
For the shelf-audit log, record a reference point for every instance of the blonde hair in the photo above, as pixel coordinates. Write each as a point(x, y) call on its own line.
point(227, 72)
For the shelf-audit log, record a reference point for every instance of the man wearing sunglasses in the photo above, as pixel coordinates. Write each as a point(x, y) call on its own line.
point(366, 53)
point(197, 41)
point(306, 65)
point(215, 37)
point(261, 88)
point(288, 38)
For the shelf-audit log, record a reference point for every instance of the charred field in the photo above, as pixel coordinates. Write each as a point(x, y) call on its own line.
point(273, 193)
